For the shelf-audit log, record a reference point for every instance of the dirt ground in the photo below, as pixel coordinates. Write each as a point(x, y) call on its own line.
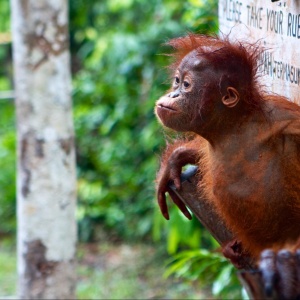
point(128, 272)
point(112, 271)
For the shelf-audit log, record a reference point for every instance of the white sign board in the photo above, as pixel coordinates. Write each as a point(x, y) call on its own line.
point(277, 26)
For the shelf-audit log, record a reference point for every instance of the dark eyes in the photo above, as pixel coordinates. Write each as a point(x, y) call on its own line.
point(186, 84)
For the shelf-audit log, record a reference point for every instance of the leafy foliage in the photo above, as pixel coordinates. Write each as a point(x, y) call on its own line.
point(7, 128)
point(117, 46)
point(210, 269)
point(7, 166)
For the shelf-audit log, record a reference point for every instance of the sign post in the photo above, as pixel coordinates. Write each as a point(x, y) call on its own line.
point(276, 27)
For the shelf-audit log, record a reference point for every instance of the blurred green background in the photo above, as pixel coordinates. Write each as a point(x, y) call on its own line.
point(118, 70)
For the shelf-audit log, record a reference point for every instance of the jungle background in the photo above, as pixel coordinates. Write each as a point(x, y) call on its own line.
point(126, 249)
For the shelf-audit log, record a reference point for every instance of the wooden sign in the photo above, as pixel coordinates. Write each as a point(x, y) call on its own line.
point(276, 26)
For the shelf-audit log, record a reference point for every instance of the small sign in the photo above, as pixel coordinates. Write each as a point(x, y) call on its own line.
point(276, 25)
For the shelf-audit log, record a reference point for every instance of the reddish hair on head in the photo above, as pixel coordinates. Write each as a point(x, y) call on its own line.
point(240, 59)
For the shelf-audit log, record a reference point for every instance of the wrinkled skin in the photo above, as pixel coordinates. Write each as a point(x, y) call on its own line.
point(176, 110)
point(246, 145)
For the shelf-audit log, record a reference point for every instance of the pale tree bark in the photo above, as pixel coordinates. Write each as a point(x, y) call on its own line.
point(46, 177)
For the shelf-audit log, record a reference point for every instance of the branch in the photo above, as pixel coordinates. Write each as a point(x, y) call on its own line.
point(251, 278)
point(202, 209)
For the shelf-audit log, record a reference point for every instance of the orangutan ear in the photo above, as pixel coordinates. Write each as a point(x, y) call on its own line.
point(231, 98)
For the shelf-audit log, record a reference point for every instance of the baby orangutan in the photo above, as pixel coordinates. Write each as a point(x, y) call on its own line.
point(245, 142)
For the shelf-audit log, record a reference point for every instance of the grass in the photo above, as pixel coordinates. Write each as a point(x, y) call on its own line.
point(8, 277)
point(112, 272)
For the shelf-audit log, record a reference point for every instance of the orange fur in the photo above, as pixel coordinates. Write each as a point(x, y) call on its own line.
point(248, 155)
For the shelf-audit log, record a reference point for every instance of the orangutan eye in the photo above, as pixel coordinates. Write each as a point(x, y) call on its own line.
point(186, 84)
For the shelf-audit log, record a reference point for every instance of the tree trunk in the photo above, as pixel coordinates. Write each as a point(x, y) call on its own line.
point(46, 180)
